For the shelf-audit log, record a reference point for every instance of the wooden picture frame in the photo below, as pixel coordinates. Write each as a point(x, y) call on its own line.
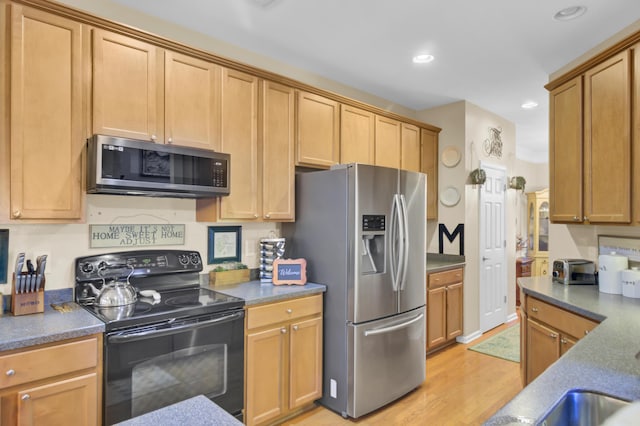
point(289, 271)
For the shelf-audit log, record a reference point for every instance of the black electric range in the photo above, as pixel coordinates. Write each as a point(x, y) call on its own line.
point(172, 274)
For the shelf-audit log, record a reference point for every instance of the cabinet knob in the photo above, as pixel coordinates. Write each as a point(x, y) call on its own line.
point(267, 216)
point(255, 216)
point(154, 138)
point(283, 330)
point(553, 335)
point(295, 328)
point(170, 140)
point(289, 310)
point(11, 372)
point(585, 218)
point(564, 341)
point(17, 213)
point(586, 332)
point(26, 397)
point(534, 309)
point(575, 218)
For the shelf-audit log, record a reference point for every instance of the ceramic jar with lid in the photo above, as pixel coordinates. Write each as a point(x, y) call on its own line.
point(630, 282)
point(609, 268)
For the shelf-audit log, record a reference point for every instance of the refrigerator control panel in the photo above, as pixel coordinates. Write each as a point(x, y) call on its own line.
point(373, 222)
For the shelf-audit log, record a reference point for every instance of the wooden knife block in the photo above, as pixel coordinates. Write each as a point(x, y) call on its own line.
point(27, 303)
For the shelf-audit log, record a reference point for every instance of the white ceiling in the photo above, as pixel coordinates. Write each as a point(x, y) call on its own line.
point(496, 54)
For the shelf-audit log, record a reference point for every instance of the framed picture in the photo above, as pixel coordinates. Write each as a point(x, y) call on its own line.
point(289, 271)
point(225, 244)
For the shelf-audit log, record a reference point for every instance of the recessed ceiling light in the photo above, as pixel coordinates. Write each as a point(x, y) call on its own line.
point(423, 59)
point(529, 105)
point(570, 13)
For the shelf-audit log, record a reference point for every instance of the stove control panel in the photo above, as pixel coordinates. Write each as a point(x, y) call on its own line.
point(139, 263)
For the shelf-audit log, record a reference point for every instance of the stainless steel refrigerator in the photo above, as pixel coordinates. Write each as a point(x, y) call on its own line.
point(362, 229)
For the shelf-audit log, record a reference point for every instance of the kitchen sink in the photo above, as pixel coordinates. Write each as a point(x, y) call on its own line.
point(582, 408)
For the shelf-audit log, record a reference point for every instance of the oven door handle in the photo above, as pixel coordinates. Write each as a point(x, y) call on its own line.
point(173, 330)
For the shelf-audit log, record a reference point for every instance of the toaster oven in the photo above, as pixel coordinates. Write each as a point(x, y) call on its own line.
point(574, 271)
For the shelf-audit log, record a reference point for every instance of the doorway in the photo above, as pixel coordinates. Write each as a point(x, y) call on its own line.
point(493, 266)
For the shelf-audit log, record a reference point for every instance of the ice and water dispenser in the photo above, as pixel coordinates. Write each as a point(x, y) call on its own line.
point(373, 244)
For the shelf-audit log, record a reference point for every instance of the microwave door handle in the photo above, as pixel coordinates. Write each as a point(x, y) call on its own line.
point(133, 337)
point(389, 329)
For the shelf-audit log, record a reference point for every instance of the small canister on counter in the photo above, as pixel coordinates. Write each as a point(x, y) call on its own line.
point(609, 268)
point(631, 282)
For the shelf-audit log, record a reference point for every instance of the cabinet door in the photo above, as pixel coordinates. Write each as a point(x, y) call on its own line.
point(429, 166)
point(523, 343)
point(318, 132)
point(565, 147)
point(278, 147)
point(192, 102)
point(543, 348)
point(436, 317)
point(636, 134)
point(67, 402)
point(607, 140)
point(240, 139)
point(357, 135)
point(454, 310)
point(566, 343)
point(387, 142)
point(125, 85)
point(305, 362)
point(265, 368)
point(410, 147)
point(47, 138)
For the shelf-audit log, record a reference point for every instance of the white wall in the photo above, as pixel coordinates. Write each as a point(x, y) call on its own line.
point(63, 243)
point(466, 126)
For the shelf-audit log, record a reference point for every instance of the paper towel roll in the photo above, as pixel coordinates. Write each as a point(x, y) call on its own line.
point(610, 266)
point(630, 282)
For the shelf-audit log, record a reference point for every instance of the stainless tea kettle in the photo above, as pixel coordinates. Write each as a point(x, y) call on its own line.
point(114, 293)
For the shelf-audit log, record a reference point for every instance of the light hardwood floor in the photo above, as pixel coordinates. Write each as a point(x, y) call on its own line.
point(462, 388)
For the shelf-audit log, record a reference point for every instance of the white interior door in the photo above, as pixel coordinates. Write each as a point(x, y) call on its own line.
point(493, 270)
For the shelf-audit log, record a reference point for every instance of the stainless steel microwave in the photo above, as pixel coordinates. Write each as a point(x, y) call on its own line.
point(135, 167)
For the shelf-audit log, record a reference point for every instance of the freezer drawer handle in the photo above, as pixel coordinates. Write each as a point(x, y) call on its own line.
point(393, 327)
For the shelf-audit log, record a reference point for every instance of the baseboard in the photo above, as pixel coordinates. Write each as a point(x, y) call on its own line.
point(512, 317)
point(469, 338)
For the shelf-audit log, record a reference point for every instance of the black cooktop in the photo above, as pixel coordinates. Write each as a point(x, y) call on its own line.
point(173, 274)
point(177, 304)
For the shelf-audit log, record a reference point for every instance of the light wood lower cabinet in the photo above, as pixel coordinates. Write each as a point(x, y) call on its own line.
point(444, 308)
point(283, 358)
point(54, 384)
point(548, 332)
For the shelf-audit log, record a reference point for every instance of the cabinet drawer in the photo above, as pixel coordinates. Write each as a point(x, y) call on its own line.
point(438, 279)
point(51, 361)
point(564, 321)
point(278, 312)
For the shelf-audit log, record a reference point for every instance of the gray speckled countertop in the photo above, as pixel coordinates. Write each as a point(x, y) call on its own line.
point(196, 411)
point(441, 262)
point(603, 361)
point(50, 326)
point(256, 292)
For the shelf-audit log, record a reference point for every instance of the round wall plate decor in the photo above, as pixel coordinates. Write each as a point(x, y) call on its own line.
point(450, 197)
point(450, 156)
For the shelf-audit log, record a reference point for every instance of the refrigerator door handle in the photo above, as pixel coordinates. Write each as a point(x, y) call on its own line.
point(404, 239)
point(393, 258)
point(384, 330)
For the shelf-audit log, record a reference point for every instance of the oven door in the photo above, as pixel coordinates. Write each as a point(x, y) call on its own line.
point(150, 367)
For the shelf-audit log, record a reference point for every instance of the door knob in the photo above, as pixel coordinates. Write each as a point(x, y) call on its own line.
point(485, 258)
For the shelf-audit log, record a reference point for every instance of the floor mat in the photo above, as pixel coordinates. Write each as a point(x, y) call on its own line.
point(505, 345)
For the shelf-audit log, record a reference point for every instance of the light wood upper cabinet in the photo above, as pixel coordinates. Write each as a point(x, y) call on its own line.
point(357, 135)
point(126, 73)
point(429, 166)
point(46, 137)
point(318, 131)
point(410, 147)
point(565, 147)
point(277, 133)
point(143, 92)
point(590, 145)
point(240, 140)
point(636, 134)
point(192, 101)
point(607, 141)
point(388, 142)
